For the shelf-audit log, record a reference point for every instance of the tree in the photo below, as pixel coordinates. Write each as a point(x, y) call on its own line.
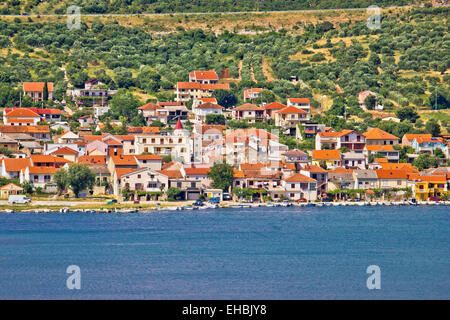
point(172, 192)
point(225, 98)
point(438, 153)
point(370, 102)
point(407, 113)
point(222, 175)
point(215, 119)
point(433, 128)
point(45, 92)
point(61, 180)
point(78, 177)
point(425, 161)
point(28, 187)
point(124, 104)
point(5, 151)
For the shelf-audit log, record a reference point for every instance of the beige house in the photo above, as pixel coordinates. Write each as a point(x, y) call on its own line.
point(299, 186)
point(290, 117)
point(248, 112)
point(388, 179)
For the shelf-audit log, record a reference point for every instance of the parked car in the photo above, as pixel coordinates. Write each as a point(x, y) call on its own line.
point(19, 199)
point(301, 200)
point(112, 201)
point(435, 199)
point(198, 203)
point(136, 201)
point(214, 199)
point(226, 197)
point(327, 200)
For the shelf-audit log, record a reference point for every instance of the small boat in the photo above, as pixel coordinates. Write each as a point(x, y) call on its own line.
point(9, 211)
point(64, 210)
point(310, 204)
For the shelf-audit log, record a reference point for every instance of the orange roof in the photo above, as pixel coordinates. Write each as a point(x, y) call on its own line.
point(195, 171)
point(148, 157)
point(274, 106)
point(439, 178)
point(398, 166)
point(37, 86)
point(314, 168)
point(11, 186)
point(381, 160)
point(412, 136)
point(19, 121)
point(291, 109)
point(341, 170)
point(392, 174)
point(326, 155)
point(379, 147)
point(15, 165)
point(298, 177)
point(202, 86)
point(150, 106)
point(247, 107)
point(42, 170)
point(204, 100)
point(121, 171)
point(150, 130)
point(171, 174)
point(22, 112)
point(40, 158)
point(431, 139)
point(25, 129)
point(209, 105)
point(252, 90)
point(204, 75)
point(378, 134)
point(65, 150)
point(252, 166)
point(92, 160)
point(335, 134)
point(299, 100)
point(123, 160)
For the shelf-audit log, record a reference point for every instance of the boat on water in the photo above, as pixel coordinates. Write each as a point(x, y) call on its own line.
point(64, 210)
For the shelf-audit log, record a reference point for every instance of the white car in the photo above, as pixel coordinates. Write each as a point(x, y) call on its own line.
point(20, 199)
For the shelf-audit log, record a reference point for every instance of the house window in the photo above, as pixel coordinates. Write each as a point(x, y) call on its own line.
point(178, 185)
point(399, 182)
point(292, 185)
point(192, 184)
point(139, 176)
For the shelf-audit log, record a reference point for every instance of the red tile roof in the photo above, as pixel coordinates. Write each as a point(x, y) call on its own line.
point(204, 75)
point(378, 134)
point(209, 105)
point(40, 158)
point(298, 177)
point(65, 150)
point(326, 155)
point(15, 165)
point(248, 107)
point(274, 106)
point(37, 86)
point(123, 160)
point(291, 109)
point(392, 174)
point(92, 160)
point(196, 171)
point(21, 112)
point(299, 100)
point(148, 157)
point(377, 147)
point(202, 86)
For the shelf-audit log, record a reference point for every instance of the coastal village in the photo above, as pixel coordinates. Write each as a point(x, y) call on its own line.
point(172, 158)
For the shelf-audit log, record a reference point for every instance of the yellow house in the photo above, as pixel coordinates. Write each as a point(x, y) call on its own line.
point(10, 189)
point(429, 186)
point(332, 158)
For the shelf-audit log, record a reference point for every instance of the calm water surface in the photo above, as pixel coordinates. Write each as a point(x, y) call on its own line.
point(261, 253)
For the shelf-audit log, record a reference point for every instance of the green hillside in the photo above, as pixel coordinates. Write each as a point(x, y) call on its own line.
point(333, 54)
point(153, 6)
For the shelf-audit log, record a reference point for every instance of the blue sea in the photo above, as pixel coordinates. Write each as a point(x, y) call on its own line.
point(254, 253)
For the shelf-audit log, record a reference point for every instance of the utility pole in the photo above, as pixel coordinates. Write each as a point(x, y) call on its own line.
point(435, 101)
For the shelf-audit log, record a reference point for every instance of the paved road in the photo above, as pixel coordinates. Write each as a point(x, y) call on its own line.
point(198, 13)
